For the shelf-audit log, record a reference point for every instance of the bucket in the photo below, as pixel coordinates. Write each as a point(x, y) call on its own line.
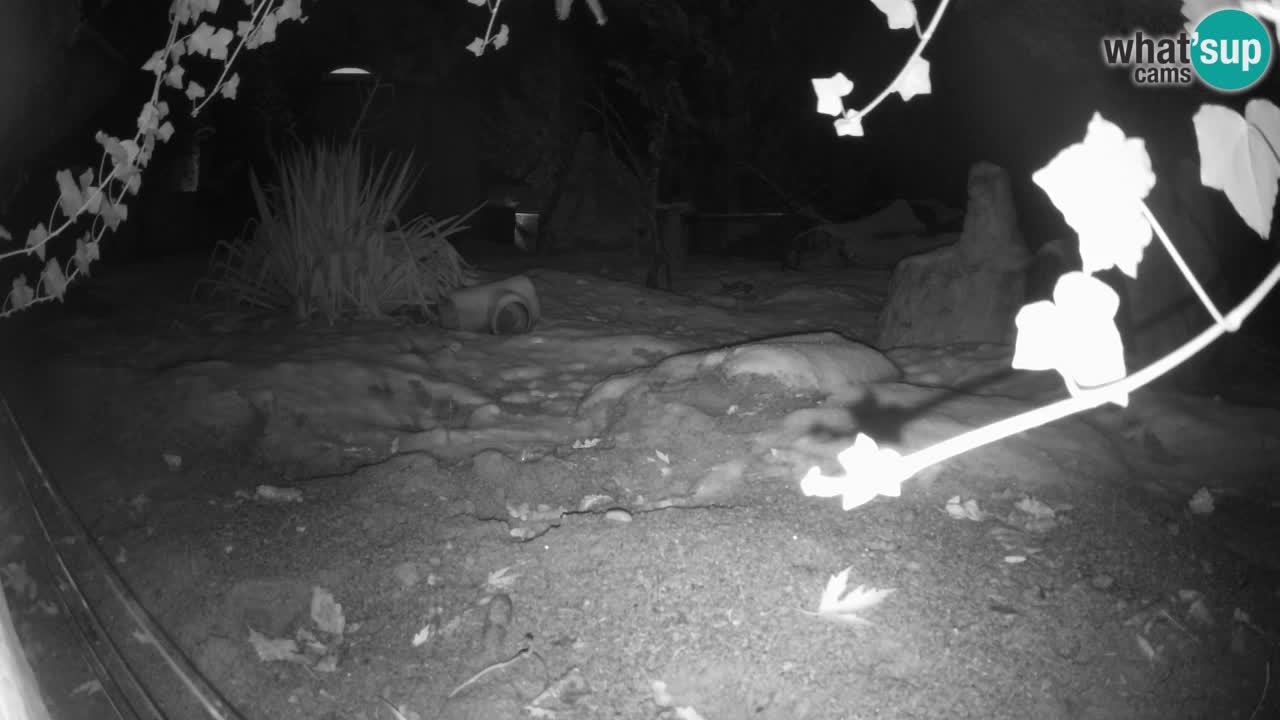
point(503, 307)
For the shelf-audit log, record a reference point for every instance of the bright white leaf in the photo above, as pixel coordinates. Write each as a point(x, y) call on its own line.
point(1269, 11)
point(850, 124)
point(868, 471)
point(915, 81)
point(1037, 345)
point(1074, 334)
point(499, 41)
point(839, 604)
point(476, 47)
point(165, 131)
point(1099, 186)
point(1241, 157)
point(830, 92)
point(562, 9)
point(477, 3)
point(901, 14)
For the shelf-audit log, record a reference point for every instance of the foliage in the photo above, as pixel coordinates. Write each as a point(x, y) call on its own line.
point(329, 241)
point(100, 194)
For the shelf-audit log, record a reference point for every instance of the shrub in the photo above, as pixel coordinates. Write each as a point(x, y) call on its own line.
point(328, 241)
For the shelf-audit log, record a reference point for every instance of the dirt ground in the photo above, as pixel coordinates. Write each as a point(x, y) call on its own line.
point(644, 553)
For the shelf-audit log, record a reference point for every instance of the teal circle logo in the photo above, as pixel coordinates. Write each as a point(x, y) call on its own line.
point(1232, 50)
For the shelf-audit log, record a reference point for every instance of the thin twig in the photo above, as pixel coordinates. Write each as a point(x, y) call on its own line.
point(487, 671)
point(1266, 684)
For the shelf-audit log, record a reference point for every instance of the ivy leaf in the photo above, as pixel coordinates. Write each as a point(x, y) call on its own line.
point(500, 40)
point(69, 198)
point(598, 11)
point(155, 64)
point(21, 295)
point(211, 42)
point(1081, 315)
point(36, 239)
point(915, 81)
point(291, 10)
point(901, 14)
point(173, 78)
point(831, 92)
point(849, 124)
point(112, 213)
point(186, 11)
point(1099, 186)
point(195, 91)
point(4, 235)
point(149, 118)
point(165, 131)
point(86, 252)
point(229, 88)
point(53, 280)
point(267, 31)
point(1241, 157)
point(476, 47)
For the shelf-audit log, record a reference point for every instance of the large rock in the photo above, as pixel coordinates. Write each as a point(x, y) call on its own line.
point(968, 292)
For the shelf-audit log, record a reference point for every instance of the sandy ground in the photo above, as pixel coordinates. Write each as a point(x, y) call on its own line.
point(583, 527)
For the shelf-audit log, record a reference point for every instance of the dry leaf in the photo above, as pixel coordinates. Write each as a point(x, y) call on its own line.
point(841, 605)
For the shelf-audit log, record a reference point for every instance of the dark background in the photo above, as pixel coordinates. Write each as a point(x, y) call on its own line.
point(1013, 83)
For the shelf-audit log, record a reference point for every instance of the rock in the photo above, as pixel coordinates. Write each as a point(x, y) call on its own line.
point(968, 292)
point(878, 241)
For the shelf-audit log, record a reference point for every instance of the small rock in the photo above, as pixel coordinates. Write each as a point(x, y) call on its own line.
point(618, 515)
point(407, 574)
point(1102, 582)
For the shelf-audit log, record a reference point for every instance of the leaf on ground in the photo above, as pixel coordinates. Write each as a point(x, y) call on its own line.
point(500, 580)
point(1035, 508)
point(967, 510)
point(839, 604)
point(327, 613)
point(275, 649)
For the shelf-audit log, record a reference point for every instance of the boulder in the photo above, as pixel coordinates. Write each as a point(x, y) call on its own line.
point(968, 292)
